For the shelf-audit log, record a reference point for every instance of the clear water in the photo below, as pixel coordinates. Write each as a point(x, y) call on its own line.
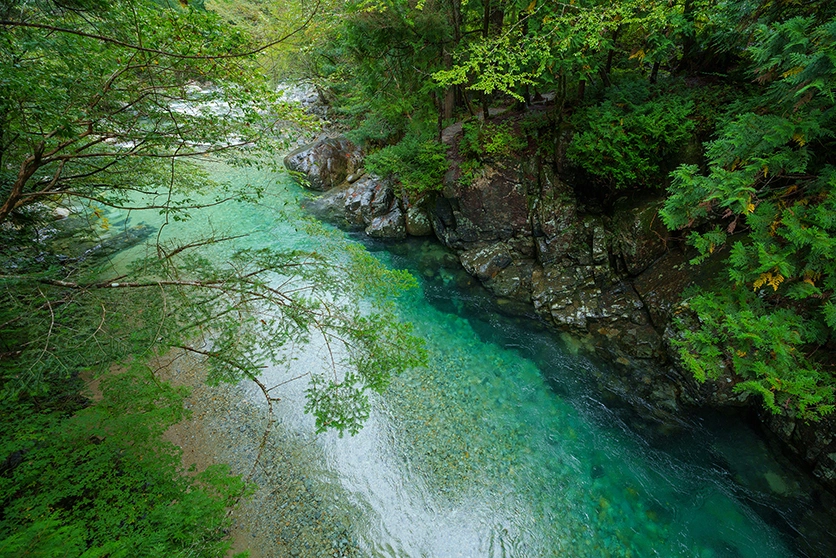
point(504, 446)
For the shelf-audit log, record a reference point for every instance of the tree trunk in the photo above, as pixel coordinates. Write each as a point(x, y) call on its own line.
point(486, 28)
point(688, 42)
point(455, 16)
point(654, 72)
point(610, 55)
point(449, 103)
point(27, 169)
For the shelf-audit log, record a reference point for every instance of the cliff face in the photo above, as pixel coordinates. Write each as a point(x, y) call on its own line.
point(612, 278)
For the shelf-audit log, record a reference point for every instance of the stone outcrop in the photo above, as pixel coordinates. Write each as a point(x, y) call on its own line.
point(352, 198)
point(521, 232)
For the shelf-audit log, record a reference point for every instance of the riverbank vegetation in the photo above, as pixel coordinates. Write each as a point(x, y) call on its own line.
point(725, 107)
point(108, 109)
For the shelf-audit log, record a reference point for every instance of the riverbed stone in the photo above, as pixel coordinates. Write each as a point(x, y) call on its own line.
point(60, 213)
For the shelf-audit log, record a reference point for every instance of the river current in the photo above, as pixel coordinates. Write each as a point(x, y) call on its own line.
point(505, 445)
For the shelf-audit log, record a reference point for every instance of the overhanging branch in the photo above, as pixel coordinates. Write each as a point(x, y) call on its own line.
point(140, 48)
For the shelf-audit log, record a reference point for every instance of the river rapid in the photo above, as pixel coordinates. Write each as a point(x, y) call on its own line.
point(503, 446)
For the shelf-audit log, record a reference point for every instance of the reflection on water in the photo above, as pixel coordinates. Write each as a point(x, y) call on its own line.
point(503, 446)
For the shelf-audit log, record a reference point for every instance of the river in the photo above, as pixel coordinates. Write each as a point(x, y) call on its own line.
point(504, 446)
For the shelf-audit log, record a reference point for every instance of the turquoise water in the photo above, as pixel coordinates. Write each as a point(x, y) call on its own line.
point(505, 446)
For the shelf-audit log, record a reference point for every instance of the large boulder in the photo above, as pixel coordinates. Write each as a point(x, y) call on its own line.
point(660, 286)
point(370, 203)
point(325, 163)
point(367, 198)
point(417, 219)
point(554, 215)
point(388, 225)
point(493, 207)
point(486, 263)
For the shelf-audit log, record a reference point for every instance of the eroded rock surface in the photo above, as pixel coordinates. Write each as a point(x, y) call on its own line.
point(352, 198)
point(325, 163)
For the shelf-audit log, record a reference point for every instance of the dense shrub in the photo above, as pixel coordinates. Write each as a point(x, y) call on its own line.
point(624, 140)
point(417, 161)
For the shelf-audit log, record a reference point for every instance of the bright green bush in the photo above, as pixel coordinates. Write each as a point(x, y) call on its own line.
point(417, 161)
point(487, 140)
point(100, 481)
point(740, 333)
point(772, 175)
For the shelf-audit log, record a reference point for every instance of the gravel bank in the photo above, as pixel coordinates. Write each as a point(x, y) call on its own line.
point(288, 514)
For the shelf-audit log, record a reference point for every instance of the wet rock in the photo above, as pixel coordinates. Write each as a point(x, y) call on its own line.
point(555, 220)
point(494, 207)
point(325, 163)
point(569, 296)
point(353, 177)
point(814, 442)
point(366, 199)
point(513, 281)
point(500, 270)
point(661, 285)
point(417, 220)
point(486, 263)
point(330, 207)
point(60, 213)
point(389, 225)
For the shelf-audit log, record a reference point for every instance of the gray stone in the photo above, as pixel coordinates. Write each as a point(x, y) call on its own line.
point(353, 177)
point(418, 221)
point(330, 207)
point(60, 213)
point(325, 163)
point(494, 207)
point(368, 198)
point(390, 225)
point(485, 263)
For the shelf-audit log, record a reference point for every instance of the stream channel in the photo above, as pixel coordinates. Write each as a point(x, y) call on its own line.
point(503, 446)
